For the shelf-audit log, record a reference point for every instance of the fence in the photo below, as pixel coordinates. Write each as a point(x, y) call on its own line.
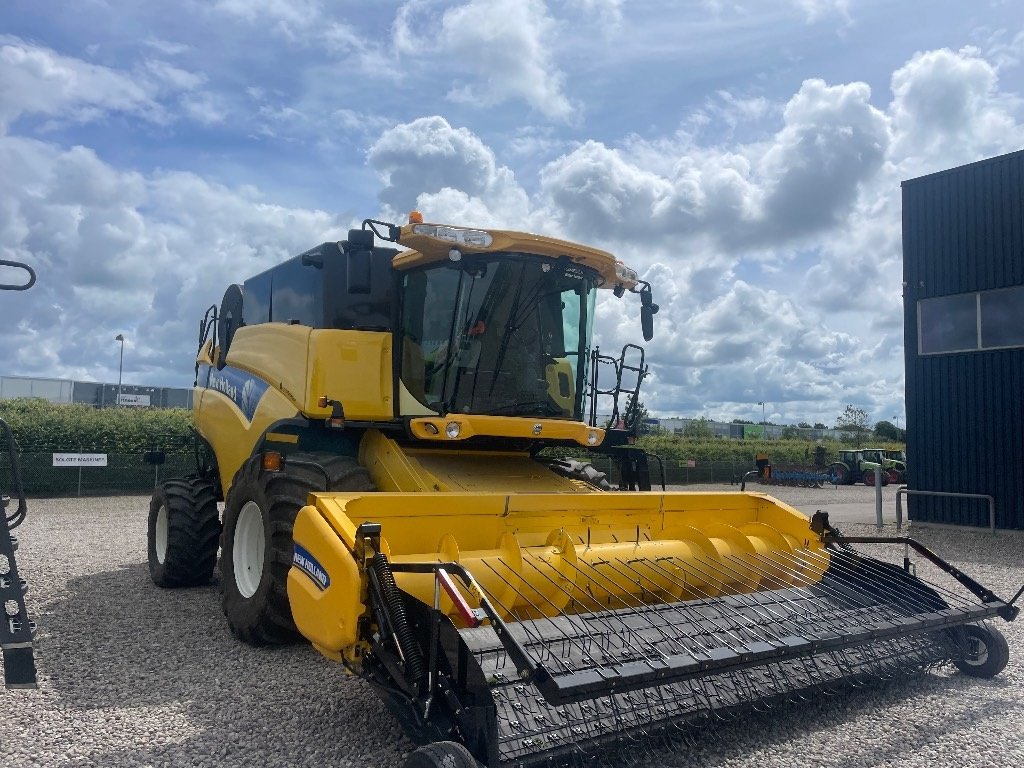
point(679, 473)
point(124, 473)
point(127, 473)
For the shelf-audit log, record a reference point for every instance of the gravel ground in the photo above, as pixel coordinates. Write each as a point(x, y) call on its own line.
point(131, 675)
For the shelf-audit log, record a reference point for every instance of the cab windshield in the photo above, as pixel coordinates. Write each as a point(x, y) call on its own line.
point(507, 334)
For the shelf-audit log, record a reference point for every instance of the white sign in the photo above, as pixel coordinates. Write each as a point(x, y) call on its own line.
point(79, 459)
point(124, 399)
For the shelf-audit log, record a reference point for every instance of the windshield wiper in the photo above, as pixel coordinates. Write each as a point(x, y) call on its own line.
point(530, 408)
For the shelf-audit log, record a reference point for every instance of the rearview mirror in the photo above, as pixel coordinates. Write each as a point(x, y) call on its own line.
point(648, 309)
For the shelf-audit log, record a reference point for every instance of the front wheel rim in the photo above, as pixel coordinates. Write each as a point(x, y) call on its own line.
point(160, 542)
point(248, 549)
point(977, 654)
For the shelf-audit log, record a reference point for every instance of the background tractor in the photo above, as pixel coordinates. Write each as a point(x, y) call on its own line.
point(379, 425)
point(860, 466)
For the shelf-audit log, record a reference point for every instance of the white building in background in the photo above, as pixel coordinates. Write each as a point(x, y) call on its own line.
point(94, 393)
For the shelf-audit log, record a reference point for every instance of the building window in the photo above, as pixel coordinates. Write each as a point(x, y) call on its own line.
point(1002, 318)
point(969, 322)
point(948, 324)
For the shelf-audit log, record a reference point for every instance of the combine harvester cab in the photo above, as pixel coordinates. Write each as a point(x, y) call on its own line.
point(380, 424)
point(538, 628)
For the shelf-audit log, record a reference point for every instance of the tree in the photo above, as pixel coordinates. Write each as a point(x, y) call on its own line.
point(635, 415)
point(819, 425)
point(853, 423)
point(805, 425)
point(886, 430)
point(698, 428)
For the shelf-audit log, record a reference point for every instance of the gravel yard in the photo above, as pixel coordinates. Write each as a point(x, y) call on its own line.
point(131, 675)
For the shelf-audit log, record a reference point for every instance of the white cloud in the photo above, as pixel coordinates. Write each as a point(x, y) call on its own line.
point(801, 180)
point(423, 163)
point(505, 45)
point(947, 110)
point(36, 80)
point(119, 251)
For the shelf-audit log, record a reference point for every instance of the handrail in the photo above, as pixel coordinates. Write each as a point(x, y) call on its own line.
point(29, 282)
point(903, 490)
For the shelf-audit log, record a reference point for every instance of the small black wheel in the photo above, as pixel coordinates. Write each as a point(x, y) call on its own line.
point(183, 532)
point(985, 651)
point(256, 544)
point(442, 754)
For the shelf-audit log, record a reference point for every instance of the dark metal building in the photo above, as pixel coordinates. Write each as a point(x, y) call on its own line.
point(963, 271)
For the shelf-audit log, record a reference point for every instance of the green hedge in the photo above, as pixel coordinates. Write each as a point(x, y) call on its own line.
point(40, 426)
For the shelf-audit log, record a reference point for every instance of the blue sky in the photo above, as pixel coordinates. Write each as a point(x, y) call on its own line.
point(745, 156)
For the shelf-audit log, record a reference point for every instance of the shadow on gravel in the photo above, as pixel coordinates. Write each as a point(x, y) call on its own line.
point(115, 641)
point(781, 732)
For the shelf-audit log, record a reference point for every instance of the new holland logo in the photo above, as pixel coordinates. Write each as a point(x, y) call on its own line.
point(306, 563)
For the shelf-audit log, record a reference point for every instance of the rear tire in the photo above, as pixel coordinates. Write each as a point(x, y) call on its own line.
point(257, 545)
point(442, 754)
point(183, 532)
point(838, 474)
point(987, 651)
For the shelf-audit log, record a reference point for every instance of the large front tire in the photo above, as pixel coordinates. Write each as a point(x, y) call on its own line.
point(183, 532)
point(257, 542)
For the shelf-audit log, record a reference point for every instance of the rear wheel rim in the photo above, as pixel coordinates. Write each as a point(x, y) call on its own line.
point(160, 543)
point(248, 549)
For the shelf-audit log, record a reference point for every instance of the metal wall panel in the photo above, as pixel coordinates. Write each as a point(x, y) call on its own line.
point(963, 230)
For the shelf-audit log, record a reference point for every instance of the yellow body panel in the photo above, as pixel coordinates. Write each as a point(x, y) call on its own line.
point(354, 367)
point(525, 550)
point(398, 468)
point(277, 353)
point(227, 430)
point(426, 250)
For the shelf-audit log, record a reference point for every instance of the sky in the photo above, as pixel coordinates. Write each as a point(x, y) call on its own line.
point(745, 156)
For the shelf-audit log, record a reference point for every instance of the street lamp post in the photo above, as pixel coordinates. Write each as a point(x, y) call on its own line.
point(120, 366)
point(764, 419)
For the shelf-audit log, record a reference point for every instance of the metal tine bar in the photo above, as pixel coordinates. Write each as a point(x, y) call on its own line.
point(885, 583)
point(763, 608)
point(529, 629)
point(824, 586)
point(801, 610)
point(595, 615)
point(680, 606)
point(598, 614)
point(672, 639)
point(730, 629)
point(882, 584)
point(848, 590)
point(956, 596)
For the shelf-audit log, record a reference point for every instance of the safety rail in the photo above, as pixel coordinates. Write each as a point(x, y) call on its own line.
point(904, 491)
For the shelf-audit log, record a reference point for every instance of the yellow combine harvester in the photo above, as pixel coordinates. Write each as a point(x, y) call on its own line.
point(374, 420)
